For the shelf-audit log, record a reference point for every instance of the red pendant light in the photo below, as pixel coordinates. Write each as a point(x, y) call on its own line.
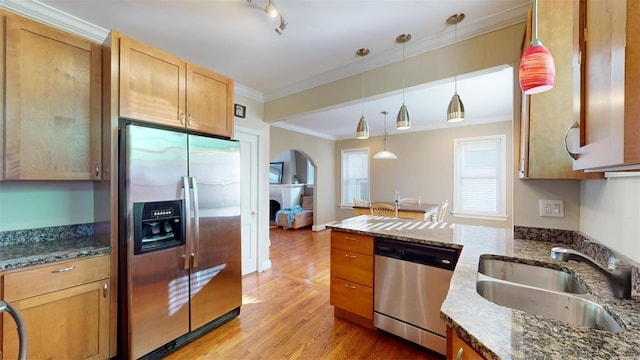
point(537, 69)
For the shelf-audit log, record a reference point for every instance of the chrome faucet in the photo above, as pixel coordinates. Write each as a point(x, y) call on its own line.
point(617, 275)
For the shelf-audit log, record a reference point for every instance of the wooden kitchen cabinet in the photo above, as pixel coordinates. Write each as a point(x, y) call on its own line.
point(65, 307)
point(458, 349)
point(610, 42)
point(352, 276)
point(52, 103)
point(546, 116)
point(162, 88)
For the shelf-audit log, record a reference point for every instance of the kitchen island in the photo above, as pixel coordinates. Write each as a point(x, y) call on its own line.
point(499, 332)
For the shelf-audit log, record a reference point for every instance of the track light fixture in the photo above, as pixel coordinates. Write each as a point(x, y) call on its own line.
point(362, 131)
point(282, 26)
point(271, 9)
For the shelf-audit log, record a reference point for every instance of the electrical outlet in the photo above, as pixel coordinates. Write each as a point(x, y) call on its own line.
point(552, 208)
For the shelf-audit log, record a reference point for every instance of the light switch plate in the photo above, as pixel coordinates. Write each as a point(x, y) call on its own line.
point(552, 208)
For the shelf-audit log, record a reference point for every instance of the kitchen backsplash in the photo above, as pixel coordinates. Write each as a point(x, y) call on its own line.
point(46, 234)
point(579, 242)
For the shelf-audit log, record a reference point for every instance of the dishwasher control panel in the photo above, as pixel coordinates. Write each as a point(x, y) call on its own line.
point(436, 256)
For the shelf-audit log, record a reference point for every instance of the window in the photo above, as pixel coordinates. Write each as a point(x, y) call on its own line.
point(310, 173)
point(479, 171)
point(355, 175)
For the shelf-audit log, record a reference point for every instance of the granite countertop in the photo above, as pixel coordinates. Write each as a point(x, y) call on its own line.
point(499, 332)
point(21, 254)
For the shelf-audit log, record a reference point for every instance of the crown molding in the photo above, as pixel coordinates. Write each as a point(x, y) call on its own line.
point(41, 12)
point(294, 128)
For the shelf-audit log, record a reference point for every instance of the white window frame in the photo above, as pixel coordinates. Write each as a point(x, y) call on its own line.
point(501, 176)
point(349, 204)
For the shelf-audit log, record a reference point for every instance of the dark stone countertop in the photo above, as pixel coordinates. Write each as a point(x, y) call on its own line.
point(23, 254)
point(499, 332)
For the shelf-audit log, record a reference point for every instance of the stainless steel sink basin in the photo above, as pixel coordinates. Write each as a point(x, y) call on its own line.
point(556, 305)
point(532, 275)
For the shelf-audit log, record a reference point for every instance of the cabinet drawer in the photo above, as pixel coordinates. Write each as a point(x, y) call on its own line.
point(21, 284)
point(461, 350)
point(352, 242)
point(352, 266)
point(352, 297)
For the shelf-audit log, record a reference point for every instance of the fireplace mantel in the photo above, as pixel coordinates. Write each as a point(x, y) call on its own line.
point(287, 195)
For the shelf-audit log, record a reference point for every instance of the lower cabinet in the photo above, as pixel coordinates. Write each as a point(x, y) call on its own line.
point(458, 349)
point(65, 307)
point(352, 276)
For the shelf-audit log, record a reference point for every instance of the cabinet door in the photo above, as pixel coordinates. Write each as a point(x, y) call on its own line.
point(460, 350)
point(53, 104)
point(67, 324)
point(152, 84)
point(209, 101)
point(610, 128)
point(546, 116)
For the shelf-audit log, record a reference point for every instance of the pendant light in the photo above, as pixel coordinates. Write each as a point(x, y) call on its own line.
point(384, 154)
point(362, 132)
point(455, 111)
point(537, 68)
point(403, 122)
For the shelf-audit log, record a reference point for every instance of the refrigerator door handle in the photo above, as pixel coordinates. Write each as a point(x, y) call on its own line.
point(187, 217)
point(196, 225)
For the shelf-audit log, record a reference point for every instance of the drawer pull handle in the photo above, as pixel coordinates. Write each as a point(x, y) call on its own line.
point(349, 238)
point(460, 354)
point(350, 256)
point(573, 155)
point(349, 286)
point(104, 290)
point(63, 270)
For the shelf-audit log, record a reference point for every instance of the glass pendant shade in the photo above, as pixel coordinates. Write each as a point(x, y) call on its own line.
point(385, 155)
point(403, 122)
point(362, 131)
point(537, 69)
point(455, 111)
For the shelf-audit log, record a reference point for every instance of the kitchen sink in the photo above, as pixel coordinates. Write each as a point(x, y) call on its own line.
point(532, 275)
point(565, 307)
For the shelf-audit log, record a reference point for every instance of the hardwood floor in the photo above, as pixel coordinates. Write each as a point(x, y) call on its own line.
point(286, 313)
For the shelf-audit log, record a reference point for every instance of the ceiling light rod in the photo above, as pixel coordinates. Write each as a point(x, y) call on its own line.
point(455, 110)
point(362, 131)
point(384, 154)
point(403, 121)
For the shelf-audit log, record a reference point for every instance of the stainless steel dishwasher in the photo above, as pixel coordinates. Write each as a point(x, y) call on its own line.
point(411, 282)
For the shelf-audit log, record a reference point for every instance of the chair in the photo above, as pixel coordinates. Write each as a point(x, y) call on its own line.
point(442, 208)
point(384, 210)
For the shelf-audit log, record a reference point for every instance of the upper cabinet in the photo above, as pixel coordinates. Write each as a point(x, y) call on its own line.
point(52, 103)
point(546, 116)
point(162, 88)
point(610, 127)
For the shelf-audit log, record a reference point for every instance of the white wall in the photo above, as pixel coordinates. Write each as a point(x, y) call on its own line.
point(610, 213)
point(424, 167)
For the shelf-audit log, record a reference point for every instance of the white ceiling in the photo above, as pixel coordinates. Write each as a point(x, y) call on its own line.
point(236, 38)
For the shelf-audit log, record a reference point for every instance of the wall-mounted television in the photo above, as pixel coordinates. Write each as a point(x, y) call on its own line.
point(275, 172)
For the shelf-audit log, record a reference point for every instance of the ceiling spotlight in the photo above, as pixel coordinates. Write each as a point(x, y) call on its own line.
point(271, 9)
point(282, 26)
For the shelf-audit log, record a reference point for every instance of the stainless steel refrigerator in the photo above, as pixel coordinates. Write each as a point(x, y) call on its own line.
point(180, 264)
